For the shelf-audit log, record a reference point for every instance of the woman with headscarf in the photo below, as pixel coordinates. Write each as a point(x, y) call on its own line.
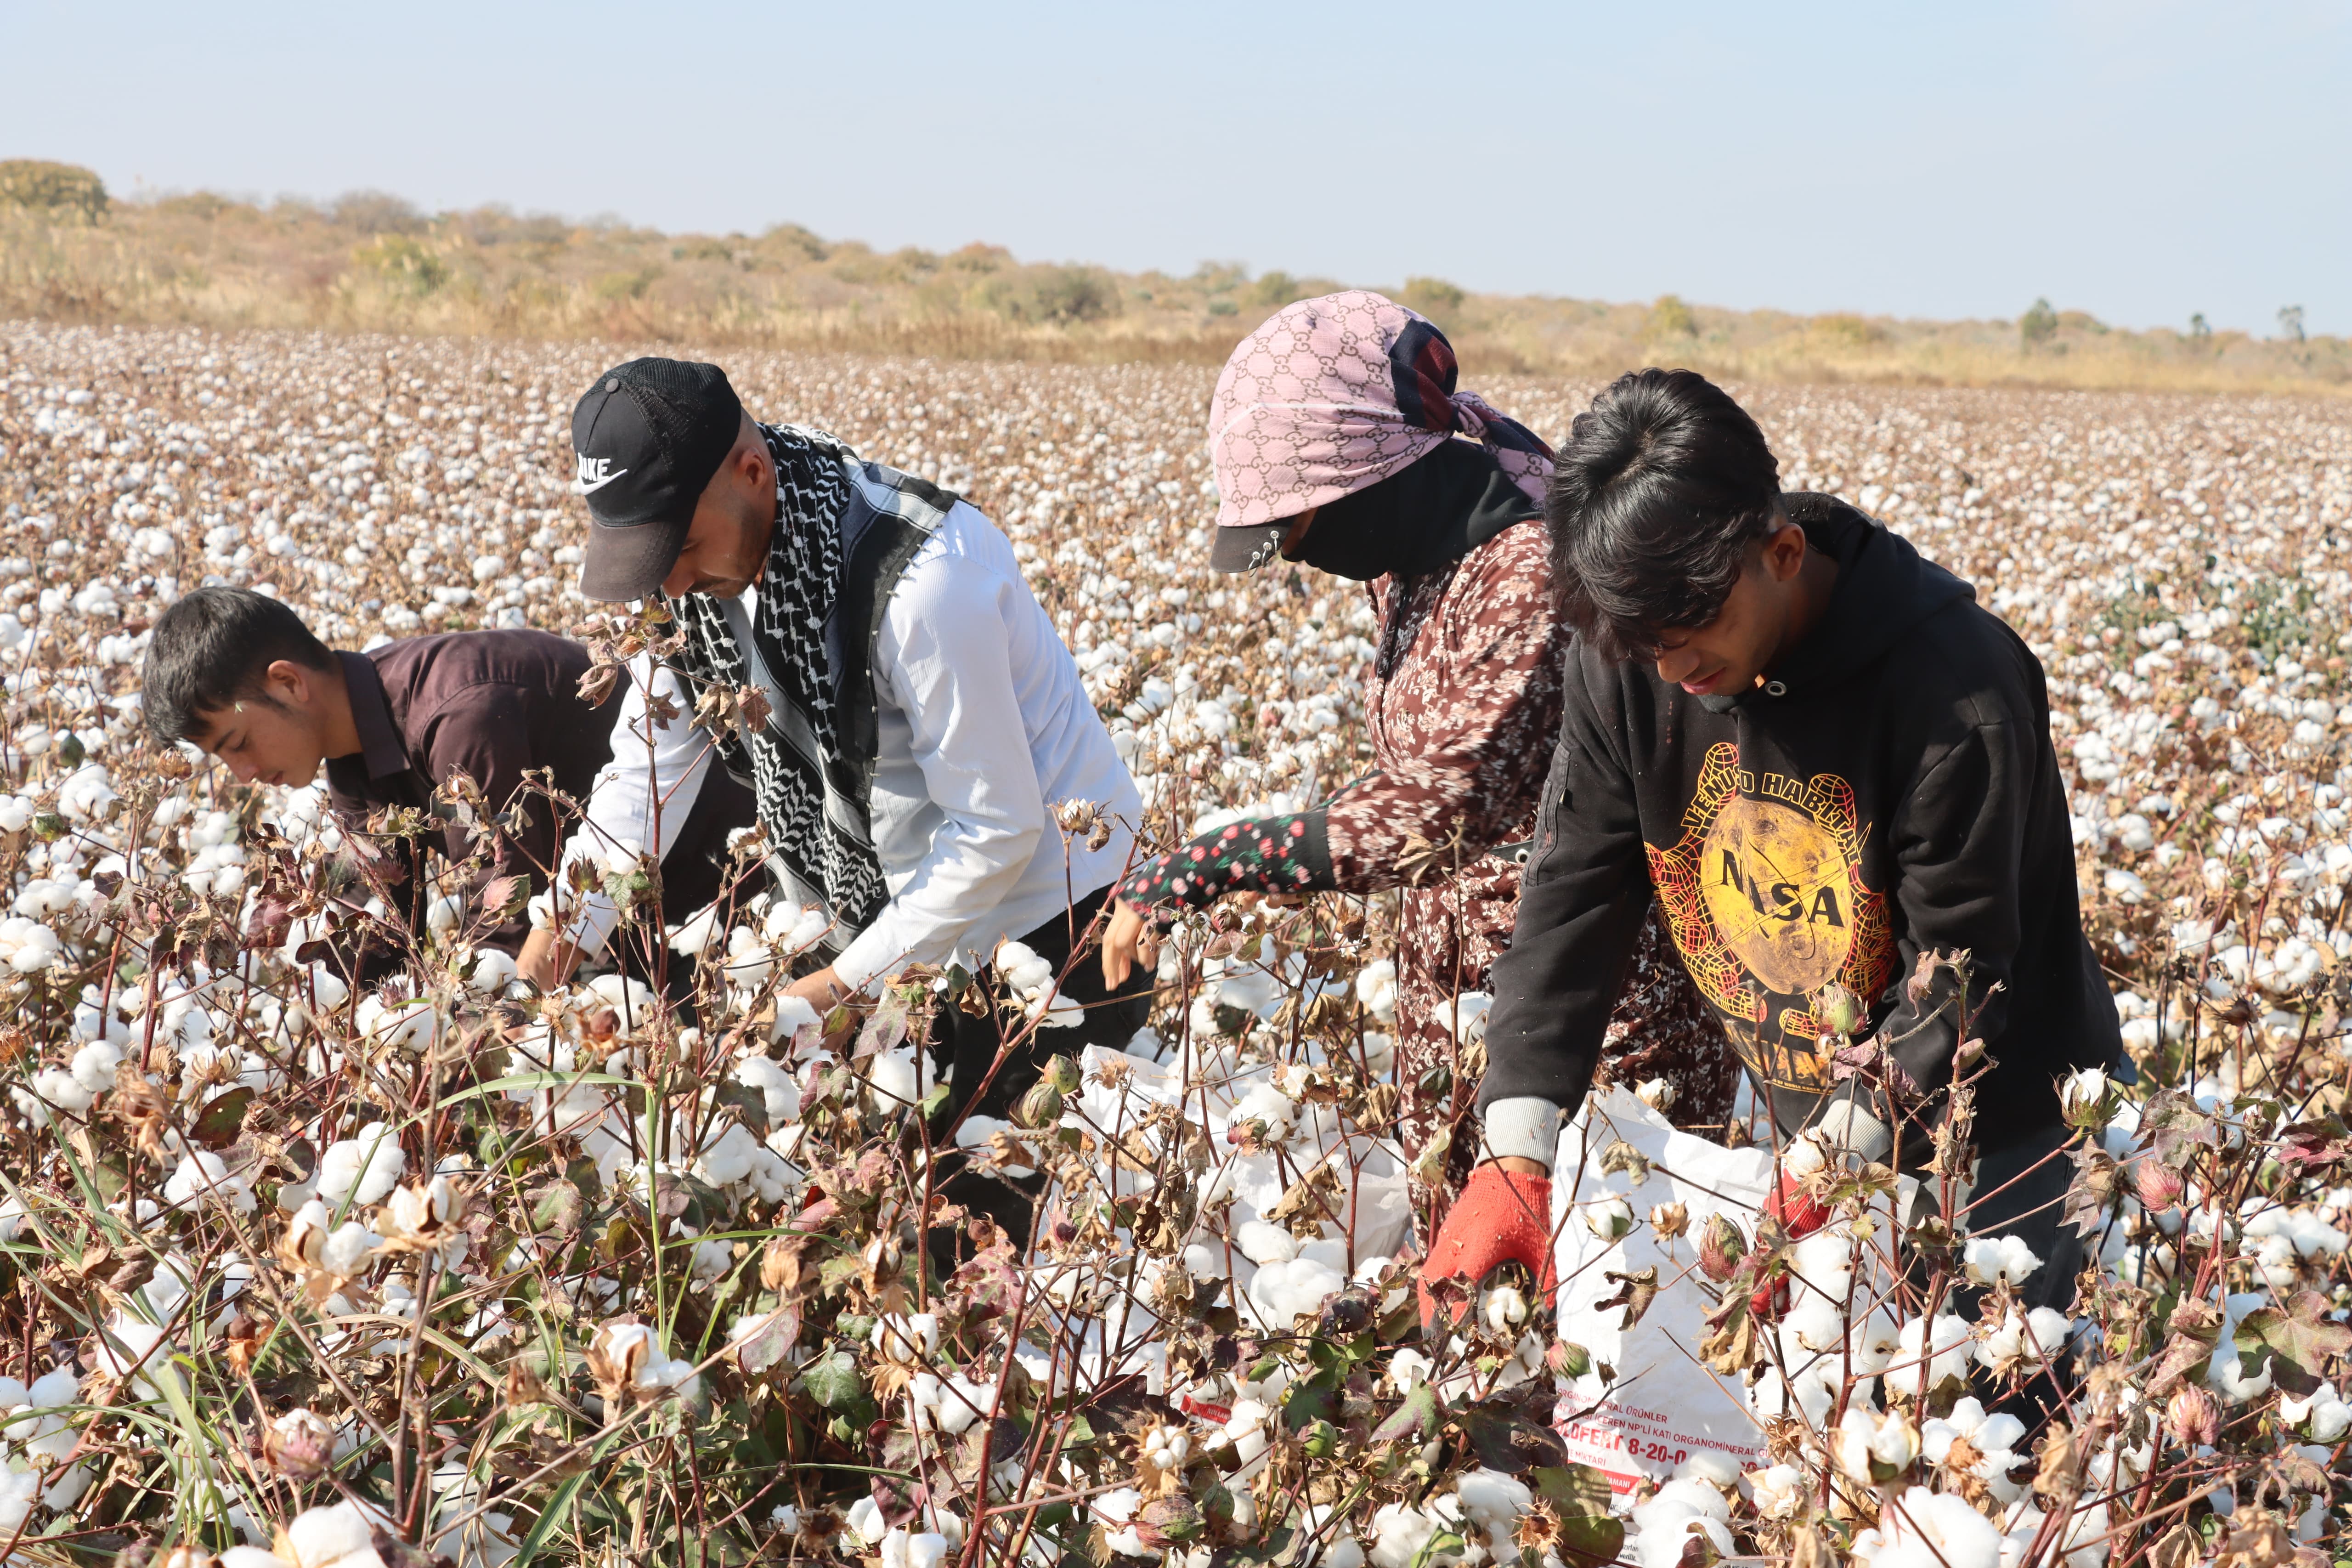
point(1340, 441)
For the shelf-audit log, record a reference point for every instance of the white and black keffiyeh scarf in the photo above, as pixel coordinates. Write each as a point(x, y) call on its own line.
point(845, 530)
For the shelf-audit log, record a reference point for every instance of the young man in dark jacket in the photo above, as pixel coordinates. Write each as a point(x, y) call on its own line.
point(239, 675)
point(1824, 759)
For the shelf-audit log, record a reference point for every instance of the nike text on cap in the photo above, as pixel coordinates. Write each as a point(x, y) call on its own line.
point(648, 435)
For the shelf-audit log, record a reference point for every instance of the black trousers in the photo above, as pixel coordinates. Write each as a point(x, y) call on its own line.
point(968, 1046)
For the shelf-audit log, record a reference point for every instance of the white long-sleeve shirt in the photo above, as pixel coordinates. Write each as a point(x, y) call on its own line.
point(983, 725)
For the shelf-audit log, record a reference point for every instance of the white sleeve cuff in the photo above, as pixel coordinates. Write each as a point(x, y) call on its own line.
point(1844, 1124)
point(1526, 1127)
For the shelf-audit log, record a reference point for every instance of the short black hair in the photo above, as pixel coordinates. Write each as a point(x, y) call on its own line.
point(209, 651)
point(1657, 494)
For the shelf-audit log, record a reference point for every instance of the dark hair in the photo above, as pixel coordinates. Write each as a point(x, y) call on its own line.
point(1662, 485)
point(209, 651)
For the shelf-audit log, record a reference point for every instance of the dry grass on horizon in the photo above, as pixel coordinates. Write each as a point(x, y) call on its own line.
point(370, 262)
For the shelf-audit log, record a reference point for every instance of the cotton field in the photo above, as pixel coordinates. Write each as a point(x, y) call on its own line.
point(295, 1274)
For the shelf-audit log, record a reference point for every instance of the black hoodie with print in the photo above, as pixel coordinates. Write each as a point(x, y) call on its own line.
point(1890, 789)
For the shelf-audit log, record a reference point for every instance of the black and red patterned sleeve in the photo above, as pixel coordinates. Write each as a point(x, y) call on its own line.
point(1468, 719)
point(1257, 855)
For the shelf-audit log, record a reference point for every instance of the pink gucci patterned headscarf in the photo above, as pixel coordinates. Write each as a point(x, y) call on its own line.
point(1335, 394)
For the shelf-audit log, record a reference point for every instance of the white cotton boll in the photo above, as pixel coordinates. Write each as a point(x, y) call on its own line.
point(901, 1549)
point(205, 1176)
point(1115, 1509)
point(794, 1013)
point(1779, 1491)
point(348, 1247)
point(1269, 1108)
point(1813, 1324)
point(910, 1336)
point(27, 946)
point(1610, 1219)
point(19, 1490)
point(94, 1064)
point(694, 937)
point(1680, 1509)
point(2322, 1416)
point(1401, 1536)
point(1465, 1017)
point(1951, 1343)
point(780, 1095)
point(339, 1536)
point(2026, 1341)
point(1502, 1310)
point(137, 1354)
point(1988, 1259)
point(632, 999)
point(1263, 1243)
point(728, 1160)
point(1376, 989)
point(494, 970)
point(1873, 1342)
point(1493, 1502)
point(712, 1259)
point(1924, 1529)
point(1245, 1425)
point(361, 1169)
point(891, 1078)
point(1283, 1292)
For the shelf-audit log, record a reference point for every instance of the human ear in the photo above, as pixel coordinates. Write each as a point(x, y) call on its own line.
point(287, 681)
point(1784, 552)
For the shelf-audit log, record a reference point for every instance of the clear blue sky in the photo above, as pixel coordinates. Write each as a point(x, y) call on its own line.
point(2139, 161)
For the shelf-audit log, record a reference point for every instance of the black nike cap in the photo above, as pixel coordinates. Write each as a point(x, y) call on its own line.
point(648, 435)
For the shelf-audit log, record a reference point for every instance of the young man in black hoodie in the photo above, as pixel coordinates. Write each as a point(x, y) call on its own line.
point(1825, 758)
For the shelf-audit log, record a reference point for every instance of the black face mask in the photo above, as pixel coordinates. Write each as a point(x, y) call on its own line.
point(1418, 519)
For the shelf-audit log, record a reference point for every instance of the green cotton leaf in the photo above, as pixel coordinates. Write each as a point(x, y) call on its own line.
point(218, 1125)
point(1589, 1541)
point(1415, 1418)
point(1572, 1489)
point(832, 1382)
point(557, 1209)
point(2295, 1342)
point(749, 1103)
point(1305, 1404)
point(1508, 1442)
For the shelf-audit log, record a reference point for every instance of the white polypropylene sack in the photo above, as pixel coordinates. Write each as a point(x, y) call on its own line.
point(1665, 1404)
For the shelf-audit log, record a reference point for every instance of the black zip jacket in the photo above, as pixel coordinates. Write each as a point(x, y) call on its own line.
point(1891, 789)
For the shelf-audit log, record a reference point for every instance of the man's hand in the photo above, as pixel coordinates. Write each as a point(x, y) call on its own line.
point(1504, 1215)
point(546, 960)
point(824, 991)
point(1128, 943)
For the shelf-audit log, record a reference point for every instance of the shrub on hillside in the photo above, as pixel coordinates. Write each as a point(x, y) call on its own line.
point(54, 189)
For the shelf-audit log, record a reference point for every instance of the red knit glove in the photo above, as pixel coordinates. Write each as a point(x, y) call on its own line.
point(1799, 1215)
point(1502, 1216)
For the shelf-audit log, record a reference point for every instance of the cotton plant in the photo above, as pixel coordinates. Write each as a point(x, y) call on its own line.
point(221, 1147)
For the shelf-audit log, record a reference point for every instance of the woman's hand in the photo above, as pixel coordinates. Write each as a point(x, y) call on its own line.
point(1130, 942)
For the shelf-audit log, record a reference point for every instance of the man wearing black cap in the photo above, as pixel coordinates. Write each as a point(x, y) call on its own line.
point(922, 714)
